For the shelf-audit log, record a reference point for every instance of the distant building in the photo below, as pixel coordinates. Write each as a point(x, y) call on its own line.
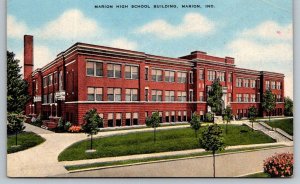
point(127, 86)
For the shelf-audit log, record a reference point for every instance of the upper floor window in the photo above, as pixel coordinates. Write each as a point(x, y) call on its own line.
point(114, 70)
point(191, 95)
point(238, 82)
point(230, 77)
point(55, 78)
point(229, 97)
point(201, 74)
point(246, 83)
point(221, 76)
point(114, 94)
point(60, 80)
point(156, 75)
point(278, 98)
point(278, 85)
point(50, 77)
point(131, 95)
point(181, 77)
point(239, 97)
point(50, 98)
point(156, 95)
point(94, 68)
point(45, 82)
point(146, 73)
point(273, 85)
point(170, 96)
point(246, 97)
point(201, 96)
point(258, 84)
point(181, 96)
point(211, 75)
point(131, 72)
point(169, 76)
point(191, 78)
point(95, 94)
point(253, 98)
point(267, 84)
point(45, 99)
point(252, 83)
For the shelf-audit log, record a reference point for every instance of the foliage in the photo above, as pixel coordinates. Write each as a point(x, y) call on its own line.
point(92, 123)
point(268, 102)
point(195, 123)
point(288, 106)
point(60, 125)
point(214, 99)
point(167, 140)
point(75, 129)
point(15, 124)
point(17, 95)
point(25, 140)
point(209, 117)
point(252, 115)
point(227, 116)
point(67, 126)
point(37, 121)
point(153, 122)
point(279, 165)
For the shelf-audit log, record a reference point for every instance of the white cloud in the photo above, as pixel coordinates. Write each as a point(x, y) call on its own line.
point(123, 43)
point(270, 30)
point(192, 23)
point(72, 24)
point(263, 48)
point(15, 28)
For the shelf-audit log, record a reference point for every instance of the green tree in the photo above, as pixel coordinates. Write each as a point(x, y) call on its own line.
point(268, 102)
point(212, 140)
point(214, 99)
point(15, 124)
point(227, 116)
point(288, 106)
point(153, 122)
point(17, 94)
point(252, 115)
point(195, 123)
point(92, 123)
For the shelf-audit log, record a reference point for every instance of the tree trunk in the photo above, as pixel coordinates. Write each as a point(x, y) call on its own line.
point(214, 162)
point(16, 138)
point(91, 141)
point(252, 126)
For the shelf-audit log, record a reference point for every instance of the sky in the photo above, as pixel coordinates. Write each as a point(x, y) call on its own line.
point(257, 33)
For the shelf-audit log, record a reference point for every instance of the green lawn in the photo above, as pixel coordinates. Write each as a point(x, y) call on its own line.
point(284, 124)
point(258, 175)
point(167, 140)
point(25, 140)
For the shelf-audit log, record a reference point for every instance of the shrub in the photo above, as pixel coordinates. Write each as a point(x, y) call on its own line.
point(67, 125)
point(75, 129)
point(38, 121)
point(279, 165)
point(209, 117)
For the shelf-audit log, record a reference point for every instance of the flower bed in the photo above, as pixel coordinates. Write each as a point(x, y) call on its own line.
point(279, 165)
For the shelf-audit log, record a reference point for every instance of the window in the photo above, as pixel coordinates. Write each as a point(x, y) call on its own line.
point(181, 96)
point(184, 116)
point(191, 95)
point(201, 96)
point(211, 75)
point(55, 77)
point(60, 80)
point(95, 94)
point(246, 97)
point(258, 97)
point(201, 74)
point(278, 85)
point(36, 86)
point(238, 82)
point(156, 95)
point(170, 96)
point(114, 94)
point(229, 97)
point(230, 77)
point(114, 70)
point(50, 98)
point(50, 77)
point(267, 84)
point(273, 85)
point(221, 76)
point(118, 119)
point(253, 98)
point(239, 97)
point(94, 68)
point(110, 120)
point(146, 73)
point(146, 95)
point(173, 116)
point(181, 77)
point(278, 98)
point(135, 118)
point(169, 76)
point(246, 83)
point(167, 116)
point(131, 95)
point(45, 99)
point(45, 82)
point(128, 119)
point(258, 84)
point(160, 117)
point(131, 72)
point(156, 75)
point(179, 116)
point(191, 78)
point(252, 83)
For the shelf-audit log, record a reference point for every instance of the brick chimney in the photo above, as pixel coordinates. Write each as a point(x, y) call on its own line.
point(28, 56)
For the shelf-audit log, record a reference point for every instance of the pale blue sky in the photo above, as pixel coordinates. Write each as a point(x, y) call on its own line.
point(258, 33)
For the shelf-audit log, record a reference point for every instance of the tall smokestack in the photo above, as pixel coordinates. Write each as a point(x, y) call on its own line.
point(28, 56)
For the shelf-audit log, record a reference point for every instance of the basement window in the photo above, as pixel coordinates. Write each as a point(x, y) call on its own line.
point(179, 116)
point(135, 118)
point(173, 116)
point(118, 119)
point(167, 115)
point(128, 119)
point(110, 120)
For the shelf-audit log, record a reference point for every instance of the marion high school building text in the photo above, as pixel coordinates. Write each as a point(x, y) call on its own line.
point(127, 86)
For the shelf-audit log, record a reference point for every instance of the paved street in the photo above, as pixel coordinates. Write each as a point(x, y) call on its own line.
point(230, 165)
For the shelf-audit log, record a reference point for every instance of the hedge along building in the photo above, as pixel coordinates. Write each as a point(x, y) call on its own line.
point(127, 86)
